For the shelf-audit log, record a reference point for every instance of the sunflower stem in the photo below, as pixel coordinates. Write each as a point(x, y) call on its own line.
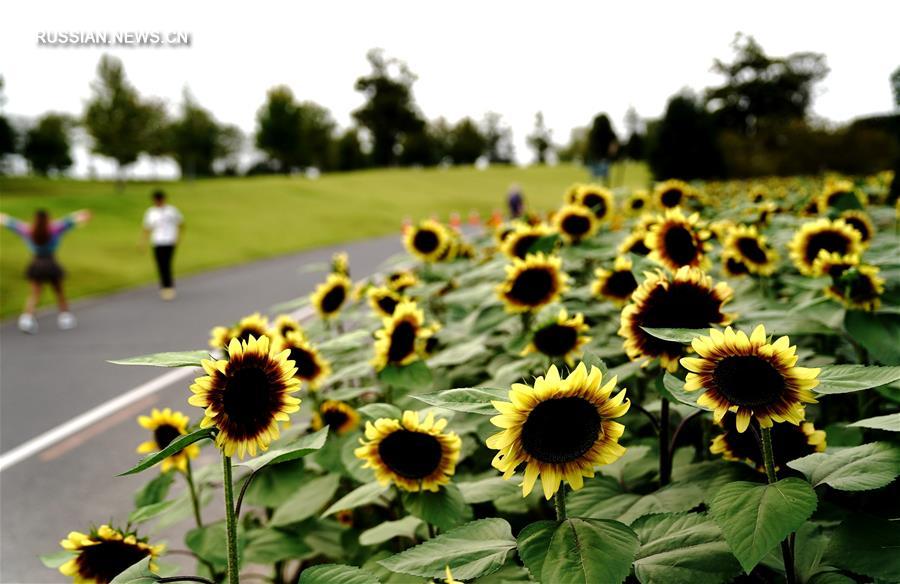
point(526, 321)
point(665, 458)
point(230, 522)
point(769, 458)
point(195, 502)
point(560, 503)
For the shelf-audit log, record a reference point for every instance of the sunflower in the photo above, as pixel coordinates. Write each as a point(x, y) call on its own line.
point(853, 284)
point(634, 243)
point(637, 202)
point(861, 222)
point(427, 241)
point(383, 300)
point(401, 340)
point(598, 199)
point(677, 241)
point(837, 191)
point(255, 325)
point(339, 416)
point(532, 283)
point(104, 553)
point(311, 367)
point(284, 324)
point(340, 264)
point(689, 300)
point(750, 377)
point(561, 338)
point(822, 235)
point(247, 395)
point(720, 228)
point(671, 193)
point(415, 455)
point(792, 442)
point(617, 284)
point(400, 280)
point(167, 425)
point(571, 194)
point(331, 295)
point(517, 243)
point(561, 428)
point(733, 265)
point(758, 194)
point(746, 244)
point(575, 223)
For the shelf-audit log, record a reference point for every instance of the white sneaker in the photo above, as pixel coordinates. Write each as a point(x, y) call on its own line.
point(66, 321)
point(28, 324)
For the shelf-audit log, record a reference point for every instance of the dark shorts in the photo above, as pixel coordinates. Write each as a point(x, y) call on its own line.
point(45, 270)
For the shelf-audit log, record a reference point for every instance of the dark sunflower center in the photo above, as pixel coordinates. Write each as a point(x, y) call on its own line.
point(681, 305)
point(860, 226)
point(286, 329)
point(561, 430)
point(104, 561)
point(555, 340)
point(638, 247)
point(412, 455)
point(671, 197)
point(403, 341)
point(333, 299)
point(679, 245)
point(426, 241)
point(576, 225)
point(637, 204)
point(736, 267)
point(334, 418)
point(596, 203)
point(305, 362)
point(750, 249)
point(748, 381)
point(164, 434)
point(523, 244)
point(620, 284)
point(245, 333)
point(861, 288)
point(532, 286)
point(829, 240)
point(387, 304)
point(789, 440)
point(836, 196)
point(249, 401)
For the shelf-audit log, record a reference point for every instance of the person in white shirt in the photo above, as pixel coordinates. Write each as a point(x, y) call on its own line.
point(162, 226)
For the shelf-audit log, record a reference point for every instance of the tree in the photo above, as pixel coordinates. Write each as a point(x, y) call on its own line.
point(467, 144)
point(195, 140)
point(121, 124)
point(602, 141)
point(349, 152)
point(498, 138)
point(759, 88)
point(683, 144)
point(47, 144)
point(7, 133)
point(316, 136)
point(389, 112)
point(895, 86)
point(295, 135)
point(540, 139)
point(635, 146)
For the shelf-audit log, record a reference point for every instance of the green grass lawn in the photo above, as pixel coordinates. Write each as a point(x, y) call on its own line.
point(234, 220)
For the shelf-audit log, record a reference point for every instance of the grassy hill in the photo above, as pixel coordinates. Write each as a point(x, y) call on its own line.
point(235, 220)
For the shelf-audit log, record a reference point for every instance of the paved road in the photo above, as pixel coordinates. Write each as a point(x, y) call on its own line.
point(50, 378)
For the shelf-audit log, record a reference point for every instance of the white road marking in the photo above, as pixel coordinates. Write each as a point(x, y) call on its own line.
point(63, 431)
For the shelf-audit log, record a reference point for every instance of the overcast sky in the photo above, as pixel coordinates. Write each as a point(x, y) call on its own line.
point(568, 59)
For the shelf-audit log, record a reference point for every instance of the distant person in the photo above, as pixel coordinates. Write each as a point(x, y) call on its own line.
point(516, 201)
point(42, 237)
point(162, 226)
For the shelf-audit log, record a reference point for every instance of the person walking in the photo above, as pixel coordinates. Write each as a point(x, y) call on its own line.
point(515, 200)
point(163, 224)
point(43, 237)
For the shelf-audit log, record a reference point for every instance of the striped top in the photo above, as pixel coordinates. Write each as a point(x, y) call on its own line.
point(57, 229)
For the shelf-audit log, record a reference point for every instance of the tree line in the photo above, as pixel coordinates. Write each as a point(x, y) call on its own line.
point(756, 122)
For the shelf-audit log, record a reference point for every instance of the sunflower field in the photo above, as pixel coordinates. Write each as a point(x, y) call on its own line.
point(694, 384)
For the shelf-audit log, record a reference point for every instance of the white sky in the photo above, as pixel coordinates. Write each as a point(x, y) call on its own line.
point(568, 59)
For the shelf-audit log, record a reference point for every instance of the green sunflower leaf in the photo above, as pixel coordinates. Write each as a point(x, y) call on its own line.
point(866, 545)
point(296, 449)
point(380, 410)
point(488, 489)
point(148, 512)
point(155, 490)
point(682, 549)
point(533, 542)
point(266, 546)
point(890, 422)
point(587, 551)
point(57, 559)
point(337, 574)
point(849, 378)
point(675, 389)
point(457, 354)
point(388, 530)
point(175, 446)
point(677, 335)
point(470, 400)
point(444, 509)
point(862, 468)
point(415, 376)
point(877, 332)
point(207, 542)
point(544, 244)
point(171, 359)
point(306, 501)
point(138, 573)
point(471, 550)
point(367, 494)
point(754, 518)
point(604, 499)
